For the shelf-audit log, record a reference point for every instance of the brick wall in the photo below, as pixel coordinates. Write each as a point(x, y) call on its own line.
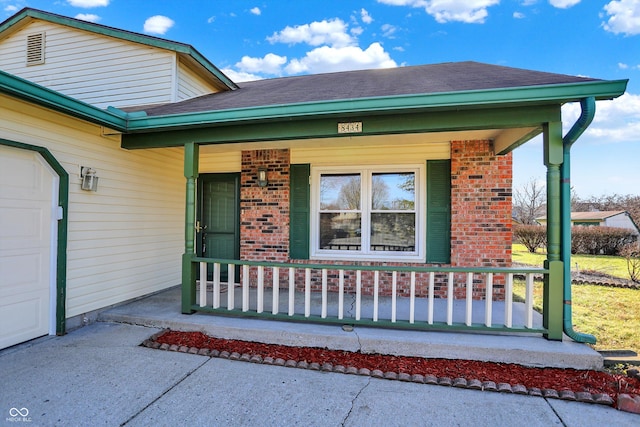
point(480, 208)
point(264, 211)
point(481, 186)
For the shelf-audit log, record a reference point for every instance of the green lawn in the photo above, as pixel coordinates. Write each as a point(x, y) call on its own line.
point(612, 265)
point(611, 314)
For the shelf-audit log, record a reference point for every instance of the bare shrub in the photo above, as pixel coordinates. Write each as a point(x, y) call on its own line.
point(531, 236)
point(596, 240)
point(631, 252)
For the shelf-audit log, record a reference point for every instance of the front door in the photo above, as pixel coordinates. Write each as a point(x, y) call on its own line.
point(219, 218)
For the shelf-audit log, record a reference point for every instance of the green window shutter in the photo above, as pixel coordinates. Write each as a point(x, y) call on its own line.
point(439, 211)
point(299, 211)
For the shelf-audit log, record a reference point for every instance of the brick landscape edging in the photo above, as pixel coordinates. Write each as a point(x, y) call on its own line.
point(472, 384)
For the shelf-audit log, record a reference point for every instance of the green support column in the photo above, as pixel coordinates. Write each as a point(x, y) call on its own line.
point(553, 285)
point(191, 157)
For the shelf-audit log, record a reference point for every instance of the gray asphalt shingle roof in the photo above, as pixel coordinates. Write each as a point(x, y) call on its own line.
point(422, 79)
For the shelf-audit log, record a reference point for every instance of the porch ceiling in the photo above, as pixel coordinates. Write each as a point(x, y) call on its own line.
point(504, 140)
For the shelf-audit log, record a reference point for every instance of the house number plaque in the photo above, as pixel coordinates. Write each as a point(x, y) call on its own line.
point(351, 127)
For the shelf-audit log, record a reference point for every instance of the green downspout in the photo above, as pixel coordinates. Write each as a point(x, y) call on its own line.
point(588, 106)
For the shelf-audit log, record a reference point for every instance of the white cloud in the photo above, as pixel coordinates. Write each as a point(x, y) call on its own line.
point(332, 32)
point(11, 8)
point(327, 59)
point(624, 17)
point(617, 120)
point(366, 18)
point(622, 65)
point(240, 76)
point(211, 20)
point(518, 15)
point(256, 11)
point(88, 3)
point(388, 30)
point(468, 11)
point(269, 64)
point(158, 24)
point(89, 17)
point(563, 4)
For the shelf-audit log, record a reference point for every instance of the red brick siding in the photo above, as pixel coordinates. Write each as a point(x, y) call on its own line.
point(480, 234)
point(264, 211)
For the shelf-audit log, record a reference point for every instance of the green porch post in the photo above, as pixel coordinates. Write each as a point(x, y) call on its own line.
point(553, 285)
point(191, 157)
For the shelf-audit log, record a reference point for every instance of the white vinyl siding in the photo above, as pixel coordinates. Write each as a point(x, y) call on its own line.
point(96, 69)
point(126, 239)
point(190, 84)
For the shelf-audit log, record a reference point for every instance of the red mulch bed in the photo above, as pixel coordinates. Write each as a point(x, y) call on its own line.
point(594, 382)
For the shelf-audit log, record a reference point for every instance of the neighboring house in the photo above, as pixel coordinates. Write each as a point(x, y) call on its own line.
point(617, 219)
point(408, 167)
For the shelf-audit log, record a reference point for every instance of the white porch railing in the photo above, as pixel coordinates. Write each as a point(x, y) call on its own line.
point(438, 297)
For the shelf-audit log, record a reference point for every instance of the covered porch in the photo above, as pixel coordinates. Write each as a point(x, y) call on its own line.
point(456, 147)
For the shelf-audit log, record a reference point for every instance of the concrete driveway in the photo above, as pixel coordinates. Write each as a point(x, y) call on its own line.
point(99, 375)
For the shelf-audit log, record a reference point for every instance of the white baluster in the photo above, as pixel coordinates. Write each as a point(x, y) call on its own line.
point(245, 288)
point(275, 284)
point(203, 284)
point(469, 309)
point(508, 301)
point(231, 283)
point(216, 285)
point(488, 304)
point(450, 299)
point(432, 279)
point(307, 292)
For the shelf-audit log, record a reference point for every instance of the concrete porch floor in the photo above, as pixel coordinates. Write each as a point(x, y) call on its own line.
point(162, 310)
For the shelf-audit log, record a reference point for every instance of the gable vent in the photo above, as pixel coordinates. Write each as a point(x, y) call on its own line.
point(35, 49)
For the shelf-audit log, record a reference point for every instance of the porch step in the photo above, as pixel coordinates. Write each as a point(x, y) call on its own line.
point(162, 310)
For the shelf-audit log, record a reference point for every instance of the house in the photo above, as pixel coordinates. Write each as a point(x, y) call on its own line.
point(616, 219)
point(405, 169)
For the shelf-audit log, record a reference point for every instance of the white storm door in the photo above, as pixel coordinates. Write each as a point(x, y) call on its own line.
point(28, 234)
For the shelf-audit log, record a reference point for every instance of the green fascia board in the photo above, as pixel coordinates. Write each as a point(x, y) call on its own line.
point(104, 30)
point(326, 127)
point(31, 92)
point(558, 94)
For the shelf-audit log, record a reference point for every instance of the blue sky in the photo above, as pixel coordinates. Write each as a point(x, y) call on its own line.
point(272, 38)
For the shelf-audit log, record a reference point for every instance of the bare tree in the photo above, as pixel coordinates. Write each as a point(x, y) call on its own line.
point(528, 201)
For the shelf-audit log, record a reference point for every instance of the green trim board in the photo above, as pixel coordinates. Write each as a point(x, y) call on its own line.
point(40, 95)
point(27, 15)
point(327, 127)
point(63, 202)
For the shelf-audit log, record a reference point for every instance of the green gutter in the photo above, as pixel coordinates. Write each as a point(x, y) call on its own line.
point(588, 106)
point(571, 92)
point(104, 30)
point(31, 92)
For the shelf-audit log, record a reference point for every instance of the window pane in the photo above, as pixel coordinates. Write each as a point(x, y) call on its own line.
point(340, 231)
point(340, 192)
point(393, 232)
point(393, 191)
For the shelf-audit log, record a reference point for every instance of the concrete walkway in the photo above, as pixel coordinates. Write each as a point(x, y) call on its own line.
point(162, 310)
point(99, 375)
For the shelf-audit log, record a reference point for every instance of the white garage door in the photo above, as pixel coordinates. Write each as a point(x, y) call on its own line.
point(28, 190)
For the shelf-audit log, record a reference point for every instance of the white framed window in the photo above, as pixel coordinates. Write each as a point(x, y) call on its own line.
point(368, 213)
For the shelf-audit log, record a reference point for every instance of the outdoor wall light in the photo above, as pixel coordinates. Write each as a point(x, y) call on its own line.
point(89, 179)
point(262, 177)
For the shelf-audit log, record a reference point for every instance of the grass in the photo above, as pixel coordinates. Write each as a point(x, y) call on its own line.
point(615, 266)
point(612, 315)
